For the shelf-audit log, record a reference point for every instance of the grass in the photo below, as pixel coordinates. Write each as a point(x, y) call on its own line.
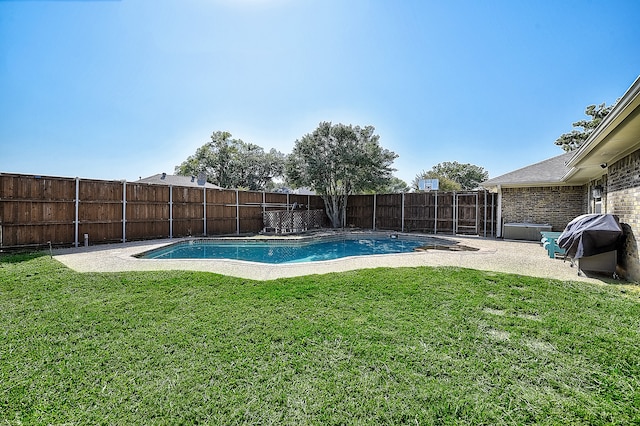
point(381, 346)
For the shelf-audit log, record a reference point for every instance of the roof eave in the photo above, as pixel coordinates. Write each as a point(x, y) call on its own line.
point(617, 114)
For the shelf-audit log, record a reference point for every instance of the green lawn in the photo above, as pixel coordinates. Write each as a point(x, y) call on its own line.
point(382, 346)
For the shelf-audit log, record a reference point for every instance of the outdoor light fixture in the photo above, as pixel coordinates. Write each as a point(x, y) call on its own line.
point(596, 192)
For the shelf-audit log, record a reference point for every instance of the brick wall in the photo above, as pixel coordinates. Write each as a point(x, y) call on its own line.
point(623, 200)
point(556, 205)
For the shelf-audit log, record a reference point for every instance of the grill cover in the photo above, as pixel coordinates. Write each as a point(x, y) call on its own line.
point(591, 234)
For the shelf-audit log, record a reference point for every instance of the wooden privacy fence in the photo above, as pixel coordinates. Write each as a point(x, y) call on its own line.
point(36, 210)
point(429, 212)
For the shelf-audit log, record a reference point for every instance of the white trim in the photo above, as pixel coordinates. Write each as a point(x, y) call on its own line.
point(77, 211)
point(204, 219)
point(124, 211)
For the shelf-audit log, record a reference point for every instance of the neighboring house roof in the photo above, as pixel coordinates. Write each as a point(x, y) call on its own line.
point(297, 191)
point(175, 180)
point(303, 191)
point(547, 172)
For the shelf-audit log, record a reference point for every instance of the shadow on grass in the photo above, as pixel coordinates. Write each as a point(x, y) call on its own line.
point(17, 257)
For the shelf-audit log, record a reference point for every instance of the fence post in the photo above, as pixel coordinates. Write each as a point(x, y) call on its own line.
point(204, 219)
point(374, 211)
point(75, 237)
point(124, 211)
point(485, 214)
point(455, 214)
point(477, 213)
point(170, 211)
point(435, 221)
point(289, 216)
point(237, 214)
point(264, 210)
point(402, 214)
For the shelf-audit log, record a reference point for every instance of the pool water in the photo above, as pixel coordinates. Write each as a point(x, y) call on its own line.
point(271, 251)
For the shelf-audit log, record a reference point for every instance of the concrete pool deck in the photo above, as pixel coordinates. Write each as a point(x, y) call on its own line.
point(518, 257)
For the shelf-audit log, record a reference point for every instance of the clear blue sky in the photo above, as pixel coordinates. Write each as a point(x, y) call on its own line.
point(123, 89)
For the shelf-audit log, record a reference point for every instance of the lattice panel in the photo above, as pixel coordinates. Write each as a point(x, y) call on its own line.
point(286, 221)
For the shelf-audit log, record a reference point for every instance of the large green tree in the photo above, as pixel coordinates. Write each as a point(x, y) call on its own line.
point(338, 160)
point(454, 176)
point(232, 163)
point(574, 139)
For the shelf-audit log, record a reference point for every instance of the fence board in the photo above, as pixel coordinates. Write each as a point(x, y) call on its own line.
point(389, 211)
point(36, 209)
point(24, 187)
point(275, 201)
point(33, 234)
point(147, 230)
point(100, 232)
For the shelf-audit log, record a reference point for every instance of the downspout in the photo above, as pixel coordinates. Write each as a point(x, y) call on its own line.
point(499, 213)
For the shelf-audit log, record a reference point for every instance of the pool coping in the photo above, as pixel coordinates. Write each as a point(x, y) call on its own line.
point(519, 257)
point(430, 242)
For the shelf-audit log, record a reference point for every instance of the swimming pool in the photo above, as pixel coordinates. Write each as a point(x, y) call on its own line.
point(287, 251)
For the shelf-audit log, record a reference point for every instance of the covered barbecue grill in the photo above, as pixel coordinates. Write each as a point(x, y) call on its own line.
point(592, 240)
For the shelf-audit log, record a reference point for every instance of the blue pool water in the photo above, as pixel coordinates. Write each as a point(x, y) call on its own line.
point(271, 251)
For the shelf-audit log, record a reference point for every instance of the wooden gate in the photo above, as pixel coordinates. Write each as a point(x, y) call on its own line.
point(465, 213)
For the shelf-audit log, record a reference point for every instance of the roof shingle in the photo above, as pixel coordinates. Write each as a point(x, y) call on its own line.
point(548, 171)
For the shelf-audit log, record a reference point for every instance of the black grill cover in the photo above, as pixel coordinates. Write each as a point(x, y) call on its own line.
point(591, 234)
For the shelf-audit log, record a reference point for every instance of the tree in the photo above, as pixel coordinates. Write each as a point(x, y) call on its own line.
point(232, 163)
point(337, 161)
point(575, 138)
point(467, 176)
point(394, 186)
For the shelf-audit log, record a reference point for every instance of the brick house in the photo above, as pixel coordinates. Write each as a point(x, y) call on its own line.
point(602, 176)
